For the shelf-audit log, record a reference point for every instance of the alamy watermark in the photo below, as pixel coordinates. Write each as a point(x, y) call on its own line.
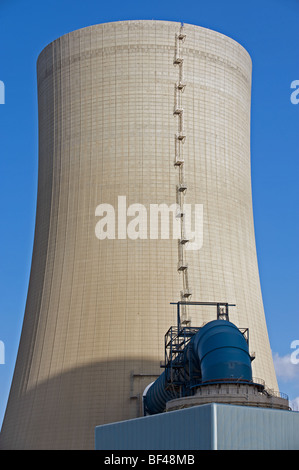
point(159, 221)
point(2, 353)
point(295, 354)
point(2, 92)
point(295, 94)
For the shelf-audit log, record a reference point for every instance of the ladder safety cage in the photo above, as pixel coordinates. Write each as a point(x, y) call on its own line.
point(181, 189)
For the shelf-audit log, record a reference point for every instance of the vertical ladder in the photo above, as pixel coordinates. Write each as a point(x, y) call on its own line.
point(179, 162)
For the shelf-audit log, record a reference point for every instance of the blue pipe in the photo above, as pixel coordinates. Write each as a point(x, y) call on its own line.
point(218, 353)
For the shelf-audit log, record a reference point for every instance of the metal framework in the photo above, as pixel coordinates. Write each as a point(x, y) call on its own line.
point(222, 309)
point(180, 374)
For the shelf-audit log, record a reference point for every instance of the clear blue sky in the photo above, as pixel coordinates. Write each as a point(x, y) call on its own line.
point(269, 30)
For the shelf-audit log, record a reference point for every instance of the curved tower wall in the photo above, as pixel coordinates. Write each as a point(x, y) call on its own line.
point(97, 310)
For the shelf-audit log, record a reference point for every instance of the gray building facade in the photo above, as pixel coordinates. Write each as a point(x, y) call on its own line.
point(213, 426)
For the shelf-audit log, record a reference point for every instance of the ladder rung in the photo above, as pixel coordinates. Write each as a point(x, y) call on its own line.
point(179, 162)
point(180, 214)
point(186, 293)
point(178, 111)
point(181, 85)
point(182, 187)
point(182, 266)
point(181, 136)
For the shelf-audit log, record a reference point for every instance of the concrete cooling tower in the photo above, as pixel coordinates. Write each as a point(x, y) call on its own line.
point(144, 198)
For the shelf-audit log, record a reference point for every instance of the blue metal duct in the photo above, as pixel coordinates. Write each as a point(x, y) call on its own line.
point(223, 353)
point(218, 352)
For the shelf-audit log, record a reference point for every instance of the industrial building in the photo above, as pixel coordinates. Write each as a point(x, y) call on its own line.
point(214, 426)
point(134, 116)
point(206, 399)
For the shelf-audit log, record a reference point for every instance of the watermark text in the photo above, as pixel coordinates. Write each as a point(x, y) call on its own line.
point(295, 354)
point(295, 94)
point(2, 353)
point(2, 92)
point(161, 221)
